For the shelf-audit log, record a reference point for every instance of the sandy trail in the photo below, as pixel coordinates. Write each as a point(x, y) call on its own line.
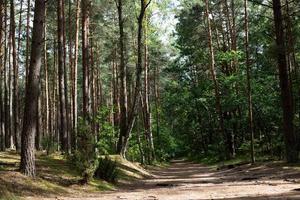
point(188, 181)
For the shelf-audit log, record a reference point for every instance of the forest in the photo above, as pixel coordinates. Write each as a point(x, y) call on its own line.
point(149, 99)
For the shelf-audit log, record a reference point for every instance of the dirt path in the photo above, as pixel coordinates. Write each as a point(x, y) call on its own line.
point(188, 181)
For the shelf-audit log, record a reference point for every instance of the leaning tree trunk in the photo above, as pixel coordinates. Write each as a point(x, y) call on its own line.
point(27, 165)
point(139, 70)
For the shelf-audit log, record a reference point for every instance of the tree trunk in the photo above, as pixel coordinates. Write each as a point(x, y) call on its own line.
point(61, 69)
point(214, 75)
point(47, 96)
point(139, 70)
point(123, 84)
point(85, 57)
point(27, 165)
point(6, 74)
point(27, 37)
point(250, 106)
point(65, 70)
point(2, 66)
point(286, 97)
point(147, 109)
point(75, 69)
point(15, 75)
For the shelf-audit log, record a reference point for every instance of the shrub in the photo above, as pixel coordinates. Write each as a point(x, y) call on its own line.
point(107, 170)
point(85, 157)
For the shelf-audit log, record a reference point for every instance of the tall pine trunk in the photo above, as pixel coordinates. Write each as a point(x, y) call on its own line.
point(27, 165)
point(123, 84)
point(286, 97)
point(85, 58)
point(61, 81)
point(15, 96)
point(250, 105)
point(75, 69)
point(214, 75)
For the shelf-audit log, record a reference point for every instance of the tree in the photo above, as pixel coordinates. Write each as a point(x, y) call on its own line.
point(27, 165)
point(250, 106)
point(61, 76)
point(85, 9)
point(286, 96)
point(123, 85)
point(16, 74)
point(213, 71)
point(75, 70)
point(124, 137)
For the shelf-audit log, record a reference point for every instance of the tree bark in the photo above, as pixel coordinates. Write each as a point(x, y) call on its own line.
point(249, 90)
point(75, 69)
point(214, 75)
point(85, 57)
point(147, 109)
point(139, 70)
point(15, 99)
point(123, 83)
point(61, 69)
point(286, 97)
point(2, 66)
point(27, 37)
point(27, 165)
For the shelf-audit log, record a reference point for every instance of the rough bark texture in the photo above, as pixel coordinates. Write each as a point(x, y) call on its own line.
point(2, 89)
point(27, 165)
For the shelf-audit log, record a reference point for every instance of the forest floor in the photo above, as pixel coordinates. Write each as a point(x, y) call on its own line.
point(184, 180)
point(56, 177)
point(181, 180)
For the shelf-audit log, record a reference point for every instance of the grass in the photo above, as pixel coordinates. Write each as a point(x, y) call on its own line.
point(55, 177)
point(129, 171)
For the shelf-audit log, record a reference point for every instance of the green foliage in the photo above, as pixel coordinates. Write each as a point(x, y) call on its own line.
point(189, 103)
point(229, 56)
point(107, 137)
point(95, 136)
point(85, 157)
point(49, 144)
